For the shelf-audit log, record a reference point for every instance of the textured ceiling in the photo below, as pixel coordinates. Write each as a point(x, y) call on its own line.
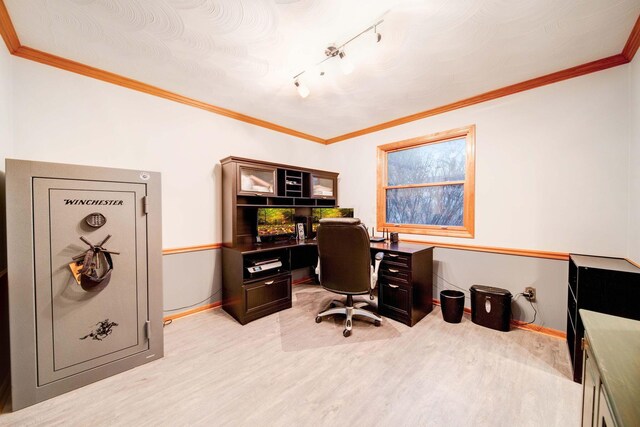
point(242, 55)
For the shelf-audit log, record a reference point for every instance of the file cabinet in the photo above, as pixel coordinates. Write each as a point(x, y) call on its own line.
point(405, 281)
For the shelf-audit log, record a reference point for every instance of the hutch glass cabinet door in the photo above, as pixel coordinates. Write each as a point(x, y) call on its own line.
point(323, 186)
point(257, 180)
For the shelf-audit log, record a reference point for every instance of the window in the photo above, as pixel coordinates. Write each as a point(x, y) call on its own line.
point(426, 184)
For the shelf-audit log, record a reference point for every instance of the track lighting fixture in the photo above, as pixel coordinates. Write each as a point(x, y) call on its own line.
point(333, 51)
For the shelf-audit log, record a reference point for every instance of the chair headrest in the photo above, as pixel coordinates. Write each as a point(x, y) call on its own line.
point(340, 221)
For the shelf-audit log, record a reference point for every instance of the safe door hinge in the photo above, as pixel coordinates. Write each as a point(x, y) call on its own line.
point(147, 329)
point(145, 204)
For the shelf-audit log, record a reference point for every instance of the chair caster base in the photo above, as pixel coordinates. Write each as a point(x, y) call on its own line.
point(318, 319)
point(346, 333)
point(377, 323)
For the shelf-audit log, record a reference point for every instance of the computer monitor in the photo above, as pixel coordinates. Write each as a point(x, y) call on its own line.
point(318, 213)
point(276, 222)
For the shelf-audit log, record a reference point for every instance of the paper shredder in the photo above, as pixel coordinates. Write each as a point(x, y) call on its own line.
point(491, 307)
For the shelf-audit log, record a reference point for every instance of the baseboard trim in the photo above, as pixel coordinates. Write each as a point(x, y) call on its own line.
point(518, 324)
point(219, 303)
point(193, 311)
point(514, 323)
point(303, 281)
point(539, 329)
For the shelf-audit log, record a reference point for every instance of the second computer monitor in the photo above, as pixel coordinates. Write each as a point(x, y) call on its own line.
point(318, 213)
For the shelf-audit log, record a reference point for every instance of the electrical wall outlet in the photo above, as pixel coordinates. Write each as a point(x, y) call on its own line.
point(530, 293)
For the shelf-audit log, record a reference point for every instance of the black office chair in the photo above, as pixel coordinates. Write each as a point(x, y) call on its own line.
point(344, 267)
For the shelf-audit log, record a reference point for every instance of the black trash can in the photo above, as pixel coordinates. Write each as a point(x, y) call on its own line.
point(452, 304)
point(491, 307)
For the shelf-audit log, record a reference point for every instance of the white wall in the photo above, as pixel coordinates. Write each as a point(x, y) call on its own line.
point(552, 171)
point(6, 140)
point(552, 174)
point(551, 166)
point(6, 120)
point(67, 118)
point(634, 162)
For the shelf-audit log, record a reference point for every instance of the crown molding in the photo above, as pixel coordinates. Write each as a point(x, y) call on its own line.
point(10, 37)
point(580, 70)
point(633, 42)
point(106, 76)
point(7, 29)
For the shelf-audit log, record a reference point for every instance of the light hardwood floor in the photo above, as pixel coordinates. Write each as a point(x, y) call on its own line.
point(287, 370)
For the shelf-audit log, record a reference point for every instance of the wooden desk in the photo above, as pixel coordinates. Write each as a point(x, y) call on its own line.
point(405, 284)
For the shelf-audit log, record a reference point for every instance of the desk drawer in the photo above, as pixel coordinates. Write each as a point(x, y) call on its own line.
point(264, 295)
point(396, 260)
point(394, 300)
point(395, 274)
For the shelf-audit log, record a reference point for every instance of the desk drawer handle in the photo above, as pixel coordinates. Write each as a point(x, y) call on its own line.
point(391, 270)
point(270, 282)
point(393, 286)
point(392, 255)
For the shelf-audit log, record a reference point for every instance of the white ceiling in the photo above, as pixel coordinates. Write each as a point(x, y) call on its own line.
point(242, 55)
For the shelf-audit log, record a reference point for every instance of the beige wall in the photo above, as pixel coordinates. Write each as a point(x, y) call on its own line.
point(6, 117)
point(67, 118)
point(552, 169)
point(551, 166)
point(634, 162)
point(6, 146)
point(552, 174)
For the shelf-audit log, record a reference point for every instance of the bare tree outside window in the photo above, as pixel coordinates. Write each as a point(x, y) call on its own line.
point(427, 184)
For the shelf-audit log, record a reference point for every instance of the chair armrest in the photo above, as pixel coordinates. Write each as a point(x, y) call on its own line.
point(376, 267)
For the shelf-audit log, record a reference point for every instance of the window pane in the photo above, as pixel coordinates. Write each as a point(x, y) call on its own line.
point(441, 162)
point(439, 205)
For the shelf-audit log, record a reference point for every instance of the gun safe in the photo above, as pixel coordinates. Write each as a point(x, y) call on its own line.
point(84, 273)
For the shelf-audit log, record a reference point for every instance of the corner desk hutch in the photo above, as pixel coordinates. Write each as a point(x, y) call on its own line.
point(405, 284)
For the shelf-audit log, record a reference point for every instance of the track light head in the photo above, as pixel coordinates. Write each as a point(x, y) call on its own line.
point(345, 64)
point(303, 91)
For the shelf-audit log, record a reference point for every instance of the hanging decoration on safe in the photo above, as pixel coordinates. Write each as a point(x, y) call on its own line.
point(92, 269)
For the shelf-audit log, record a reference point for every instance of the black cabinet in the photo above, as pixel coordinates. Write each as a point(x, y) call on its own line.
point(405, 281)
point(601, 284)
